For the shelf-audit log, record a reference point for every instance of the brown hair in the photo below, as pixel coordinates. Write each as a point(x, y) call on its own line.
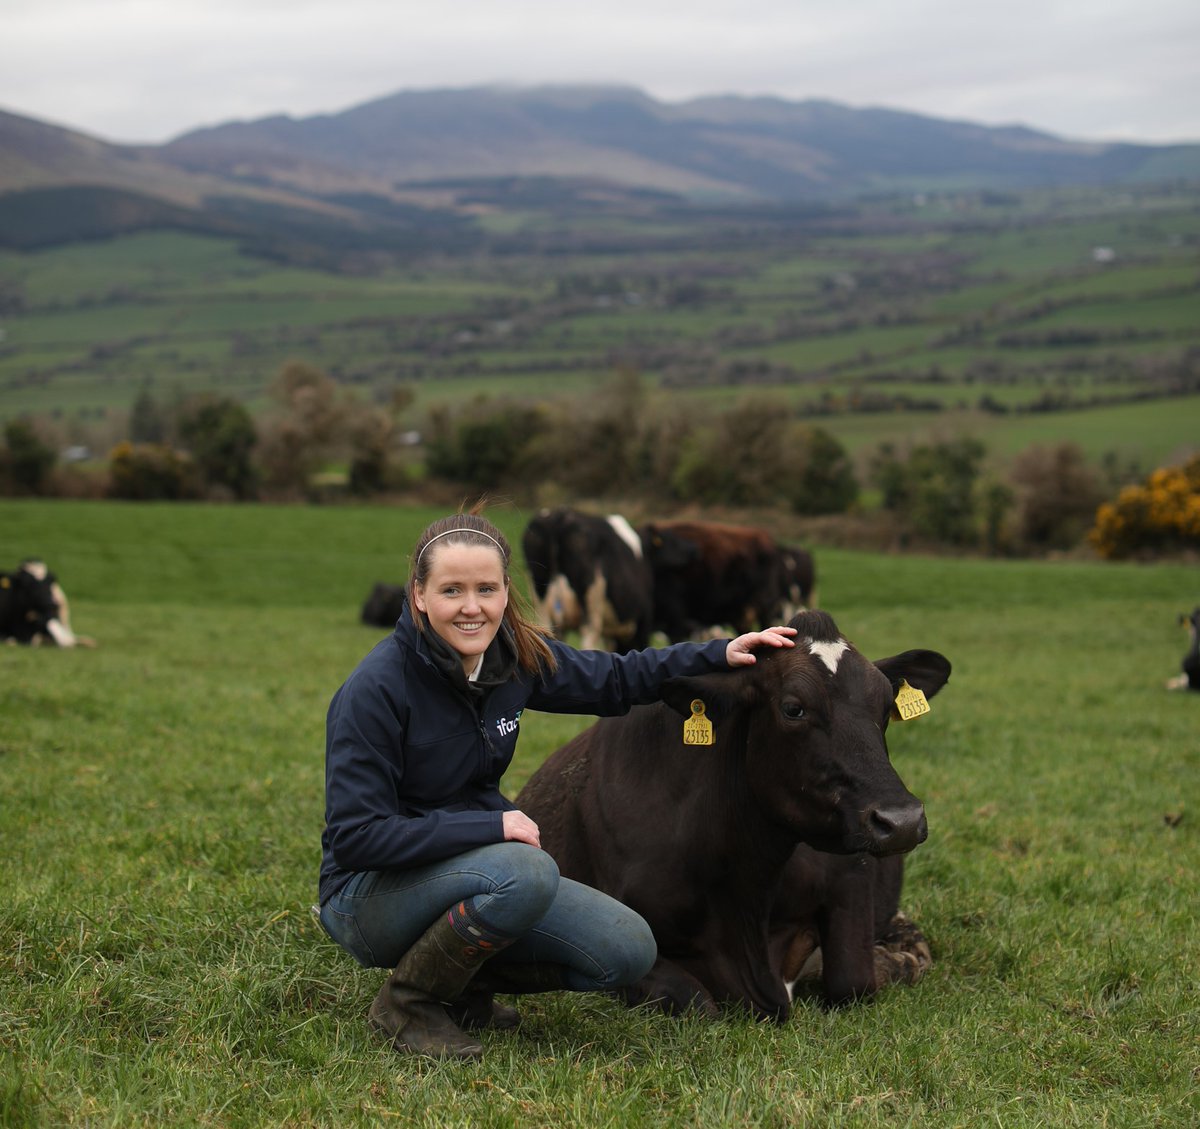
point(533, 653)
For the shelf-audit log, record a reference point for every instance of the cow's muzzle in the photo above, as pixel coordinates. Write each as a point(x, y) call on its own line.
point(895, 830)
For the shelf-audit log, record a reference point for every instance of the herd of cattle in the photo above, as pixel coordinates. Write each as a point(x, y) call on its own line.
point(34, 609)
point(616, 585)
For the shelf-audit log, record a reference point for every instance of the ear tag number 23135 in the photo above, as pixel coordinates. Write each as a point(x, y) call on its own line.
point(697, 730)
point(910, 702)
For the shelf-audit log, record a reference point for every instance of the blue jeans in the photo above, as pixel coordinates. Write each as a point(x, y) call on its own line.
point(516, 891)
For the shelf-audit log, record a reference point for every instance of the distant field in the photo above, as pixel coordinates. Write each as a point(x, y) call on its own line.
point(161, 806)
point(1082, 294)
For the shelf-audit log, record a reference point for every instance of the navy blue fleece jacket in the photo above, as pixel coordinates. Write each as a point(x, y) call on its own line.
point(413, 758)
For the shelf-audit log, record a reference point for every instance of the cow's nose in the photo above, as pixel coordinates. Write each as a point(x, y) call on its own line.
point(898, 829)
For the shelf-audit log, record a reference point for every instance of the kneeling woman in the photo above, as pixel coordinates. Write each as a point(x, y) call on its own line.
point(426, 867)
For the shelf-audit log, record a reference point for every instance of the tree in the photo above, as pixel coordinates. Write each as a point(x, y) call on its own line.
point(220, 436)
point(27, 459)
point(299, 435)
point(147, 422)
point(824, 481)
point(1057, 495)
point(933, 490)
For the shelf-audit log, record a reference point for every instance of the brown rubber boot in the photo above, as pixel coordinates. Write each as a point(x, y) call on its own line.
point(477, 1008)
point(409, 1009)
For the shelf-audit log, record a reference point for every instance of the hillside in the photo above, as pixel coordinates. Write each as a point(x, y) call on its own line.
point(405, 171)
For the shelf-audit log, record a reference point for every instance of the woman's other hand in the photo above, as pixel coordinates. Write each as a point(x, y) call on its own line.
point(519, 828)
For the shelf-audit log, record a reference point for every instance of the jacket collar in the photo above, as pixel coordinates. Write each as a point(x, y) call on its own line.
point(499, 660)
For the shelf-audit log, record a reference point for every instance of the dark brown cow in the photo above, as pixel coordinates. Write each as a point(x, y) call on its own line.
point(710, 574)
point(784, 834)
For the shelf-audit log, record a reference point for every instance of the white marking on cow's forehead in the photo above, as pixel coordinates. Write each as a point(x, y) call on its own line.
point(829, 653)
point(625, 531)
point(36, 569)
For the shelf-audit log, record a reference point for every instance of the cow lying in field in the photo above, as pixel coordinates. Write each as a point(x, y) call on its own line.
point(786, 834)
point(383, 605)
point(34, 608)
point(1190, 678)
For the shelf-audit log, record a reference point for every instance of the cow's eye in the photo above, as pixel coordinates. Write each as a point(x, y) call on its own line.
point(793, 711)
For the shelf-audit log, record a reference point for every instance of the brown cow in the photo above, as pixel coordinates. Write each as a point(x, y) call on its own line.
point(787, 832)
point(709, 574)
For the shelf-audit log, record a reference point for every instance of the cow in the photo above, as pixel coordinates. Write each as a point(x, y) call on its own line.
point(34, 609)
point(590, 573)
point(784, 835)
point(709, 574)
point(1190, 678)
point(798, 582)
point(383, 606)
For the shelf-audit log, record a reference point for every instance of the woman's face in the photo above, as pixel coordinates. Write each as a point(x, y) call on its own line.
point(464, 596)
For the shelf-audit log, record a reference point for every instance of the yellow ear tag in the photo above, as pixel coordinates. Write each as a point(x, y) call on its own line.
point(910, 703)
point(697, 730)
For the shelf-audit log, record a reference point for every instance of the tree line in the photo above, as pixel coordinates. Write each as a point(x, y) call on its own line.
point(317, 438)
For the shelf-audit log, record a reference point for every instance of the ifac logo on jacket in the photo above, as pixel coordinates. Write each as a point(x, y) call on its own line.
point(504, 727)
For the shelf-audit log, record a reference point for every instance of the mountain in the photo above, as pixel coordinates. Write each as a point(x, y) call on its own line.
point(732, 147)
point(407, 170)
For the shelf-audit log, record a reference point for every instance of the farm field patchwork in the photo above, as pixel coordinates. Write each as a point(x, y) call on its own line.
point(161, 806)
point(1089, 295)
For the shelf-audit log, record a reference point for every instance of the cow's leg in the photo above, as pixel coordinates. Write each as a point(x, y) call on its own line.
point(902, 954)
point(594, 600)
point(671, 989)
point(848, 949)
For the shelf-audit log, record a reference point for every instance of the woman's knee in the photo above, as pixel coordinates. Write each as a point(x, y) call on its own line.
point(633, 952)
point(526, 875)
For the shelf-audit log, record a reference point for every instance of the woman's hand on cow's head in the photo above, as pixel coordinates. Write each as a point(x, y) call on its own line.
point(740, 651)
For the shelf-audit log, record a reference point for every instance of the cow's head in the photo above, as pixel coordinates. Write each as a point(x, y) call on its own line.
point(810, 722)
point(665, 549)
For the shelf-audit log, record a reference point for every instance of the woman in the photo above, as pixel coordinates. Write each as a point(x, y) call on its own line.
point(427, 868)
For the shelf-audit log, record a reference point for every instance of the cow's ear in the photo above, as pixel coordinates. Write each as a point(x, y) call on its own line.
point(721, 693)
point(928, 671)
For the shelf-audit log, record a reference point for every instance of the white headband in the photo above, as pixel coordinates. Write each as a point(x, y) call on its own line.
point(478, 532)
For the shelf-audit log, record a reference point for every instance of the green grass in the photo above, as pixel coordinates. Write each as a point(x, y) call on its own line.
point(161, 806)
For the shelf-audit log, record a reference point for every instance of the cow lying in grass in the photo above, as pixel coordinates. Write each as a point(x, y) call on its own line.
point(34, 608)
point(1190, 678)
point(785, 834)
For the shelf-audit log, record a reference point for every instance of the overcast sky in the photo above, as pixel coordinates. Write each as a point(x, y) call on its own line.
point(148, 70)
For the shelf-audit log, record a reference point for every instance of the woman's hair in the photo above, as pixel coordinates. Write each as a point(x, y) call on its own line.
point(533, 653)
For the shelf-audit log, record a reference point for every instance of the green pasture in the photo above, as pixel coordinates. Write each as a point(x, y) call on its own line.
point(84, 328)
point(161, 807)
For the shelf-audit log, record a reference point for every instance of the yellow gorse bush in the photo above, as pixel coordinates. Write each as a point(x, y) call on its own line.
point(1163, 513)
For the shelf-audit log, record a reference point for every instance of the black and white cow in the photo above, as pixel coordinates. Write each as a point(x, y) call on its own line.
point(589, 573)
point(34, 608)
point(783, 836)
point(1190, 678)
point(798, 581)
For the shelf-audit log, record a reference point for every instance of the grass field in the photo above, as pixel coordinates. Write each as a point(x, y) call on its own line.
point(161, 807)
